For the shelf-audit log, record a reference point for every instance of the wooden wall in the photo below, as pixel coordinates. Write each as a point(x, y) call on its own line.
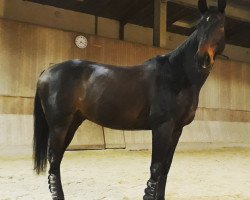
point(28, 49)
point(49, 16)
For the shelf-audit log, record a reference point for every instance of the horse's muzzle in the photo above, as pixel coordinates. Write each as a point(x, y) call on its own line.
point(204, 62)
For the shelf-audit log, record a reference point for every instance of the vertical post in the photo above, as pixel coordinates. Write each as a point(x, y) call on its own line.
point(160, 17)
point(96, 25)
point(121, 30)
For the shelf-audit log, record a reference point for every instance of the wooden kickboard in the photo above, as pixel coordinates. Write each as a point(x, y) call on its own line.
point(88, 136)
point(114, 139)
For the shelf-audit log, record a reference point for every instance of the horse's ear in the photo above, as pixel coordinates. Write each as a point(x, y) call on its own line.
point(222, 5)
point(202, 5)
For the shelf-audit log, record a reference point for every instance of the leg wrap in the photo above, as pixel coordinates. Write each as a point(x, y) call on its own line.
point(55, 187)
point(155, 189)
point(54, 179)
point(156, 184)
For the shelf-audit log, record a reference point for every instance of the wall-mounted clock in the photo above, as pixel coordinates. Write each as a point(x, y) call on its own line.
point(81, 41)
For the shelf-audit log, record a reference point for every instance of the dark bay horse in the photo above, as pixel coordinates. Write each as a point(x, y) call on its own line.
point(159, 95)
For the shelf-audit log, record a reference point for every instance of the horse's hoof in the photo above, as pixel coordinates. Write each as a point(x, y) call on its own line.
point(151, 192)
point(151, 188)
point(56, 196)
point(147, 197)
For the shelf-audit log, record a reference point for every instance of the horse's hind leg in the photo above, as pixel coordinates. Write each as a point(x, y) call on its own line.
point(77, 121)
point(61, 135)
point(55, 154)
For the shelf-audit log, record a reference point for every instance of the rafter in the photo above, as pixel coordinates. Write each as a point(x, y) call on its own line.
point(236, 29)
point(240, 12)
point(159, 30)
point(134, 13)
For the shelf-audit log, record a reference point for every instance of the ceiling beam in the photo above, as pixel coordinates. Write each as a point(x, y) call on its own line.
point(87, 6)
point(240, 12)
point(121, 31)
point(159, 30)
point(134, 13)
point(177, 16)
point(237, 29)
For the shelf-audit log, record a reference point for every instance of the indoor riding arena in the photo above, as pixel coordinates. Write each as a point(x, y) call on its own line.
point(128, 41)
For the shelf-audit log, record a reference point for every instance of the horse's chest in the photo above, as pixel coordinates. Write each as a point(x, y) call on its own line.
point(186, 105)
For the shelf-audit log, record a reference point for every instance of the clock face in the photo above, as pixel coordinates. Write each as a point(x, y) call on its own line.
point(81, 42)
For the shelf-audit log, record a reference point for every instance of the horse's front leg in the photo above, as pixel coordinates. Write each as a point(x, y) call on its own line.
point(165, 139)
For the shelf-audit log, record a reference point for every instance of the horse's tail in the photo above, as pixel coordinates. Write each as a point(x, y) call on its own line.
point(40, 139)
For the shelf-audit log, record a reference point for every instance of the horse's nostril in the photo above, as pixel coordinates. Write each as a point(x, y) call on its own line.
point(207, 59)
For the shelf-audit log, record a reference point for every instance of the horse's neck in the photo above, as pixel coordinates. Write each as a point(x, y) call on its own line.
point(183, 59)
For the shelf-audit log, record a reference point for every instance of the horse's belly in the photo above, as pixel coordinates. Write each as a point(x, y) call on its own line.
point(119, 112)
point(120, 125)
point(124, 120)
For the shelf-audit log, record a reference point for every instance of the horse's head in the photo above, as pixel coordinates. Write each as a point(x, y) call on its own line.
point(210, 33)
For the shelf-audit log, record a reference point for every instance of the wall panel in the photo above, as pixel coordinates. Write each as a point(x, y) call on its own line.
point(24, 105)
point(16, 105)
point(227, 87)
point(108, 27)
point(17, 130)
point(220, 114)
point(53, 17)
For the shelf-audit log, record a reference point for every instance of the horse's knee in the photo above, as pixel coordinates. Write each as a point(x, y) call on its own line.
point(156, 170)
